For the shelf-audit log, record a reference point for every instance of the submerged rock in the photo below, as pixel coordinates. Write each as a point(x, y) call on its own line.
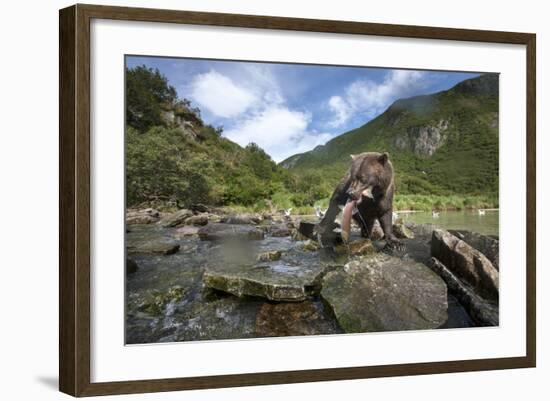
point(269, 256)
point(175, 219)
point(467, 263)
point(294, 319)
point(278, 281)
point(385, 293)
point(487, 245)
point(222, 231)
point(157, 301)
point(483, 312)
point(163, 246)
point(142, 216)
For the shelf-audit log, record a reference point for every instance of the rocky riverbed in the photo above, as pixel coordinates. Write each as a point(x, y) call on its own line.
point(205, 274)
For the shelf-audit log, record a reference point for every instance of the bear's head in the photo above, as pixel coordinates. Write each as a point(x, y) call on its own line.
point(371, 174)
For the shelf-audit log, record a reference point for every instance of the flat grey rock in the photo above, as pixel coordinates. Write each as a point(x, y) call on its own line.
point(275, 281)
point(385, 293)
point(163, 246)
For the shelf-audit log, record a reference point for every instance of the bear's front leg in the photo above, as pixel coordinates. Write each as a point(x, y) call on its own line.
point(392, 242)
point(325, 229)
point(366, 223)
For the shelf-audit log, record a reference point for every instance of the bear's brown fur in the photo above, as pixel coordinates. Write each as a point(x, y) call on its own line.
point(369, 181)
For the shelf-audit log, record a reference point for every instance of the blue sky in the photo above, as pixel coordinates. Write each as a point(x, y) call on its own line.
point(291, 108)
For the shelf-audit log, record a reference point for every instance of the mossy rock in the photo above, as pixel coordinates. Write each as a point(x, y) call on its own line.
point(157, 301)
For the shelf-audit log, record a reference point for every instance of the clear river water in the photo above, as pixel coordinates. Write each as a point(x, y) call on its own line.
point(469, 220)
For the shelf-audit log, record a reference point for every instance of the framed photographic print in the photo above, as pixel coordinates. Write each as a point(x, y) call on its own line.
point(250, 200)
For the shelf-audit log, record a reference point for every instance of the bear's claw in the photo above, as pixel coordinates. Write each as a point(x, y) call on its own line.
point(393, 245)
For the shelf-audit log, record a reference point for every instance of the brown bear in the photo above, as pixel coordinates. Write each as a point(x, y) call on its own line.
point(366, 191)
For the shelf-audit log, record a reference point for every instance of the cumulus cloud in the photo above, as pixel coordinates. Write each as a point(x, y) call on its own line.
point(220, 95)
point(251, 105)
point(280, 131)
point(260, 80)
point(342, 111)
point(369, 98)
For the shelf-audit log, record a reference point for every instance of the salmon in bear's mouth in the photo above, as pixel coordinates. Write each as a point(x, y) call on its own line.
point(346, 219)
point(348, 212)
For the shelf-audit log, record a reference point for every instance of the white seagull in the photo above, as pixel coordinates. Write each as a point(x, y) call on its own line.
point(435, 214)
point(481, 212)
point(287, 212)
point(318, 212)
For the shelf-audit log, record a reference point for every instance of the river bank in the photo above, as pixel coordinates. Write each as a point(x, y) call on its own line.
point(401, 202)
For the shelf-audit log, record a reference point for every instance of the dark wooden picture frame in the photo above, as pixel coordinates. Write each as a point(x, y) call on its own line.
point(74, 203)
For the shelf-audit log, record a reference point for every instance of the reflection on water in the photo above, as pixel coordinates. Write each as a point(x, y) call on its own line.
point(458, 220)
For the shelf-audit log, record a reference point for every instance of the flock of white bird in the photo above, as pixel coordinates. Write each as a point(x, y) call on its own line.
point(320, 213)
point(480, 212)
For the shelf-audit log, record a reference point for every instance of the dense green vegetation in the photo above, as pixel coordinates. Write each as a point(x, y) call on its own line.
point(174, 159)
point(465, 166)
point(147, 91)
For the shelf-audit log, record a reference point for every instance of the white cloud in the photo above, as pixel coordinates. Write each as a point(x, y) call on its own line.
point(370, 98)
point(220, 95)
point(251, 100)
point(281, 132)
point(342, 111)
point(262, 82)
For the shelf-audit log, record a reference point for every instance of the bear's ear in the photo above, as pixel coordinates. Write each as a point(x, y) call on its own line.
point(383, 158)
point(353, 157)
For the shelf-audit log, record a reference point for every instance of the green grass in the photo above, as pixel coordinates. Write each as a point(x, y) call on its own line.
point(401, 203)
point(442, 202)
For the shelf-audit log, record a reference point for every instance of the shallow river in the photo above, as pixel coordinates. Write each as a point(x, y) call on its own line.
point(166, 300)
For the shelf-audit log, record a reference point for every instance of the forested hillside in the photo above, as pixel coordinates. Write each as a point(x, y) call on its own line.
point(174, 159)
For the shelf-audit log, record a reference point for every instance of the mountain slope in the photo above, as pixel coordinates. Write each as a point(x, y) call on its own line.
point(174, 158)
point(440, 144)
